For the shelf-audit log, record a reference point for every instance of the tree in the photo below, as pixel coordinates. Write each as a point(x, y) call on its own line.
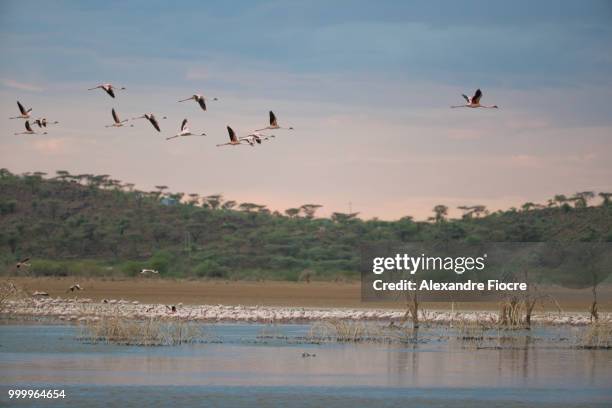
point(560, 199)
point(440, 213)
point(343, 218)
point(214, 201)
point(581, 199)
point(194, 199)
point(160, 190)
point(528, 206)
point(606, 199)
point(310, 210)
point(62, 175)
point(473, 211)
point(228, 205)
point(248, 207)
point(292, 212)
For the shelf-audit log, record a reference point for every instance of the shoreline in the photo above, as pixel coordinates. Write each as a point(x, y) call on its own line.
point(317, 294)
point(83, 310)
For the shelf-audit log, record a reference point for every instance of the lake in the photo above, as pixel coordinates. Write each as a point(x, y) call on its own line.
point(248, 365)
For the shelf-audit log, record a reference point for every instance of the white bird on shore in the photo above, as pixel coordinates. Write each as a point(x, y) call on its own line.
point(108, 88)
point(200, 99)
point(117, 122)
point(234, 141)
point(273, 124)
point(43, 122)
point(24, 113)
point(185, 131)
point(40, 293)
point(74, 287)
point(29, 130)
point(152, 119)
point(474, 102)
point(147, 271)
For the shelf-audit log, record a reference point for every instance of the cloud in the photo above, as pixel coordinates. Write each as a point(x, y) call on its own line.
point(22, 86)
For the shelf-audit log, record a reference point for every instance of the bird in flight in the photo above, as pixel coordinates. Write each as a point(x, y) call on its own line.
point(24, 113)
point(200, 99)
point(23, 263)
point(108, 88)
point(116, 121)
point(147, 271)
point(43, 122)
point(256, 137)
point(185, 131)
point(273, 124)
point(474, 102)
point(29, 130)
point(152, 119)
point(234, 141)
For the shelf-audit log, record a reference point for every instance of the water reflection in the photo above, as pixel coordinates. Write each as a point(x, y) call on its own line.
point(51, 355)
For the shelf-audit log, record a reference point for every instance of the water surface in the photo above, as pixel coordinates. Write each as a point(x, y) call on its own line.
point(246, 369)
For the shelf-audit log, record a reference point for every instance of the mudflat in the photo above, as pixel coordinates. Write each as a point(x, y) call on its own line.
point(270, 293)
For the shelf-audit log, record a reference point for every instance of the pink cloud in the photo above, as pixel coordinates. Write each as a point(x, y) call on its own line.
point(23, 86)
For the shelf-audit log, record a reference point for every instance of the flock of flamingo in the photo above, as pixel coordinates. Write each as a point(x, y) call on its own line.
point(234, 140)
point(251, 139)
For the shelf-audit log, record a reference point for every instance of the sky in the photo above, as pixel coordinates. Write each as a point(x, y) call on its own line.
point(366, 85)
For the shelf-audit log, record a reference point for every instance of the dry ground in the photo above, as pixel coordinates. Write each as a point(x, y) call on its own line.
point(315, 294)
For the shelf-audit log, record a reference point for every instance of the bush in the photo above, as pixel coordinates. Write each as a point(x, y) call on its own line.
point(210, 269)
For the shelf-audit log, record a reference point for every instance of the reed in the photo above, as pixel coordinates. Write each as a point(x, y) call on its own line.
point(351, 331)
point(598, 336)
point(9, 291)
point(150, 332)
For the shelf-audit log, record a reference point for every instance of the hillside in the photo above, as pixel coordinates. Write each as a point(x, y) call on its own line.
point(94, 225)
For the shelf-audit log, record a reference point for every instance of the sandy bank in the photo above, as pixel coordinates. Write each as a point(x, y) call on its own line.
point(86, 309)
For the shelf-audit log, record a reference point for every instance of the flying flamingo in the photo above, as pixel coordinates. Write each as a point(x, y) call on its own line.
point(117, 122)
point(29, 130)
point(474, 102)
point(200, 99)
point(151, 118)
point(234, 141)
point(256, 137)
point(108, 88)
point(43, 122)
point(185, 131)
point(23, 263)
point(273, 124)
point(25, 113)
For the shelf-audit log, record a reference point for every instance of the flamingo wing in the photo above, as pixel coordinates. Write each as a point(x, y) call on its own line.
point(109, 91)
point(202, 103)
point(154, 123)
point(466, 98)
point(232, 134)
point(477, 96)
point(27, 126)
point(184, 124)
point(273, 119)
point(21, 108)
point(115, 116)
